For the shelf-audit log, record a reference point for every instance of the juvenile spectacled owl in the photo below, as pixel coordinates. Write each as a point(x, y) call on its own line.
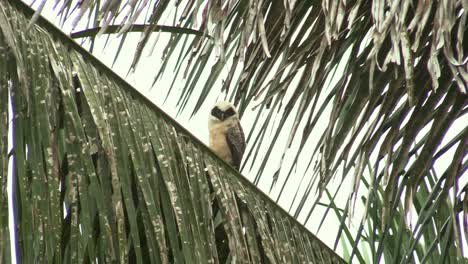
point(226, 136)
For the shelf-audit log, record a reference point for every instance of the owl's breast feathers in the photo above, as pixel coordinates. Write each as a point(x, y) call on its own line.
point(227, 141)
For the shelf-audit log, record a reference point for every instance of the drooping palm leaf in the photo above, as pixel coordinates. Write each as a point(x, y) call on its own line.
point(392, 52)
point(102, 174)
point(4, 126)
point(389, 78)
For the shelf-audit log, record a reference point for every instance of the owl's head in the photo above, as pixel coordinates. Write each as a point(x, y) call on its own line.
point(223, 111)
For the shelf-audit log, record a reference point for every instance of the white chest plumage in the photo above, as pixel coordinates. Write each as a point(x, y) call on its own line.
point(218, 141)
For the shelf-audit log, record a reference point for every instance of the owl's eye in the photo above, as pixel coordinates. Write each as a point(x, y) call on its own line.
point(230, 112)
point(216, 112)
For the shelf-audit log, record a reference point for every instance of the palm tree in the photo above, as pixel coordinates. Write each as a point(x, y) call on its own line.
point(103, 175)
point(390, 76)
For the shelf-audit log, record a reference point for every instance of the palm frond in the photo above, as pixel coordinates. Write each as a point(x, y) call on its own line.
point(388, 77)
point(372, 38)
point(103, 174)
point(4, 126)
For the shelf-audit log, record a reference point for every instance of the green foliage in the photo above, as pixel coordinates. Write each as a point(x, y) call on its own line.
point(104, 175)
point(388, 77)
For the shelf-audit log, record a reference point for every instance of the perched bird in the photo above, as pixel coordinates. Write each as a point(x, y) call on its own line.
point(226, 136)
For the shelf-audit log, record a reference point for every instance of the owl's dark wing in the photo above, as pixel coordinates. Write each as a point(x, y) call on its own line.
point(236, 141)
